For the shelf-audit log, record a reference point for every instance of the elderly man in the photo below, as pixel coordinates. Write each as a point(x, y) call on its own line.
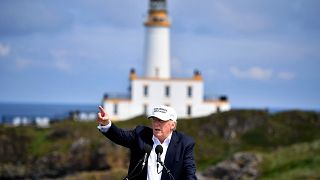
point(176, 148)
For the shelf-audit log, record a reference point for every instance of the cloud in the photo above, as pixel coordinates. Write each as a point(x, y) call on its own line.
point(23, 63)
point(259, 73)
point(256, 73)
point(60, 62)
point(4, 50)
point(37, 16)
point(21, 18)
point(56, 60)
point(62, 65)
point(177, 66)
point(240, 19)
point(286, 75)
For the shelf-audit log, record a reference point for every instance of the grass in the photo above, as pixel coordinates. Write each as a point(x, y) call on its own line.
point(298, 161)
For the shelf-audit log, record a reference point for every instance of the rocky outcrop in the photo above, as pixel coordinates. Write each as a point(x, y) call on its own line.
point(80, 156)
point(240, 166)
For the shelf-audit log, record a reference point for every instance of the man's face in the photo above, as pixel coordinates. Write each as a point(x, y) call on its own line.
point(162, 129)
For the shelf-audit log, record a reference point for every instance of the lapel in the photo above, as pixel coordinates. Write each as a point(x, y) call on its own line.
point(172, 151)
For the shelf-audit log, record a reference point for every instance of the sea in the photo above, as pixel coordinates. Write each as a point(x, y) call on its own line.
point(51, 111)
point(9, 111)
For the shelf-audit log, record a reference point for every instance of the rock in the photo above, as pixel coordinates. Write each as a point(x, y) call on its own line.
point(240, 166)
point(79, 145)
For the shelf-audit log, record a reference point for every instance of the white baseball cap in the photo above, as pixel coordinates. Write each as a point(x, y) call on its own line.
point(165, 113)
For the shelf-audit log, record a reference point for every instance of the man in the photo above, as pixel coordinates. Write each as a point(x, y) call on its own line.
point(177, 152)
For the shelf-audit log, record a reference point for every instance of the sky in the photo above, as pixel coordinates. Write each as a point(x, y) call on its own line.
point(260, 54)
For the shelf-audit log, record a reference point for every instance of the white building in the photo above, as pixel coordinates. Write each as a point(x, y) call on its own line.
point(156, 86)
point(43, 122)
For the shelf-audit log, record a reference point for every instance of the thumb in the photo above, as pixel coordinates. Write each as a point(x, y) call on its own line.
point(102, 111)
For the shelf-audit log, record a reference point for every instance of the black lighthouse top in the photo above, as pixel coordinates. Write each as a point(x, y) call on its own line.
point(158, 5)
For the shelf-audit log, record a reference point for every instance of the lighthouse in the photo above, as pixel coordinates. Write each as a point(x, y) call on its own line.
point(157, 41)
point(156, 86)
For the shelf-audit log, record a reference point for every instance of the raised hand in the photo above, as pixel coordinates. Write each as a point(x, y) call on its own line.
point(103, 117)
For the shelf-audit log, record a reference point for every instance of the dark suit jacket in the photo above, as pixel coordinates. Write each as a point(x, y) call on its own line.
point(179, 157)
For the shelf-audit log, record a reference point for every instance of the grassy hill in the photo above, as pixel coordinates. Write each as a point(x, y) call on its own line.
point(287, 141)
point(298, 161)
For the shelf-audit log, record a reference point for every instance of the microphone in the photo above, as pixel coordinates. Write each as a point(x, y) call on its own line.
point(147, 149)
point(159, 151)
point(131, 175)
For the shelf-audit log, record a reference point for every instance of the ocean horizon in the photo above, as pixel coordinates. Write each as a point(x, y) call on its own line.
point(61, 111)
point(50, 110)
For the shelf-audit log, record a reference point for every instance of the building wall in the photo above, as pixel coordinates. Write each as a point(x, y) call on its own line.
point(157, 52)
point(141, 103)
point(178, 98)
point(120, 109)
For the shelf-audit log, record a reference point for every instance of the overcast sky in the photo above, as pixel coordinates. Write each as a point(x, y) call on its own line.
point(263, 54)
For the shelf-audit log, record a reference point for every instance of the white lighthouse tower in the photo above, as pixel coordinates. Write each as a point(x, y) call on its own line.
point(156, 86)
point(157, 41)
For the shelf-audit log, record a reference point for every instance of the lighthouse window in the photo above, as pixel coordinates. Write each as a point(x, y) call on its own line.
point(167, 91)
point(145, 109)
point(158, 19)
point(189, 110)
point(189, 91)
point(145, 90)
point(157, 72)
point(115, 109)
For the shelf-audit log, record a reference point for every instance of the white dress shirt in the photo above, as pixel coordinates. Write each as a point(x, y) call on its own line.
point(153, 172)
point(103, 128)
